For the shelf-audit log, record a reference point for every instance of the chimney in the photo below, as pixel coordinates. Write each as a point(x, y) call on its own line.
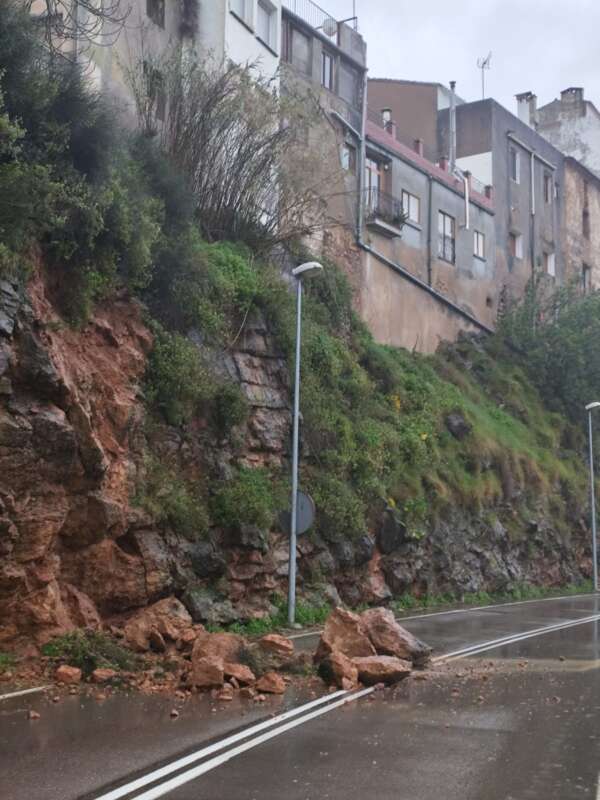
point(574, 94)
point(489, 192)
point(452, 126)
point(527, 108)
point(443, 164)
point(419, 146)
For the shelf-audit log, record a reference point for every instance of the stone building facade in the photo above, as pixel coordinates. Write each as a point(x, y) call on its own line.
point(581, 226)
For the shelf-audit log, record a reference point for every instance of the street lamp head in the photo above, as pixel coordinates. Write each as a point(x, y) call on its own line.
point(309, 268)
point(592, 406)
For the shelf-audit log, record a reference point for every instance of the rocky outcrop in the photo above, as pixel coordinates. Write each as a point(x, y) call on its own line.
point(76, 550)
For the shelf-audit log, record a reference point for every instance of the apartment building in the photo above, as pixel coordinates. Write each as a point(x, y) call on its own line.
point(581, 226)
point(429, 245)
point(571, 123)
point(324, 61)
point(245, 31)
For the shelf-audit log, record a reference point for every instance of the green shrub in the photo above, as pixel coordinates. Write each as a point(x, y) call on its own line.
point(90, 650)
point(177, 380)
point(249, 498)
point(7, 661)
point(172, 500)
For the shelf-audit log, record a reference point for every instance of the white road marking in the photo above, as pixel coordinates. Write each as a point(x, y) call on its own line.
point(467, 609)
point(598, 789)
point(185, 761)
point(213, 763)
point(517, 637)
point(24, 691)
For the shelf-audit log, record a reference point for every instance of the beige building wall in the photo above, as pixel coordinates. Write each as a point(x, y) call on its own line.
point(581, 225)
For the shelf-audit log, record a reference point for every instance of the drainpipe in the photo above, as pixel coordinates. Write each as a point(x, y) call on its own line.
point(429, 230)
point(532, 226)
point(454, 170)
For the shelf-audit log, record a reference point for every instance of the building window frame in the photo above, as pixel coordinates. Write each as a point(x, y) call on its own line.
point(348, 157)
point(446, 237)
point(328, 70)
point(548, 188)
point(271, 11)
point(155, 11)
point(515, 245)
point(289, 33)
point(549, 259)
point(411, 206)
point(479, 244)
point(514, 170)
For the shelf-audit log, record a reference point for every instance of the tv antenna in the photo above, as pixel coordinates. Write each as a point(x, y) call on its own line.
point(483, 64)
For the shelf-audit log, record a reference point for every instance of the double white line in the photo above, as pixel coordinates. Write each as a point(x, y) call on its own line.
point(473, 650)
point(304, 713)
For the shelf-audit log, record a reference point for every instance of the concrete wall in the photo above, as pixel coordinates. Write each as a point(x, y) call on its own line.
point(582, 192)
point(402, 314)
point(572, 124)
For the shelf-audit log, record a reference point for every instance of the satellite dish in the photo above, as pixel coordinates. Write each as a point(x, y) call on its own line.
point(330, 26)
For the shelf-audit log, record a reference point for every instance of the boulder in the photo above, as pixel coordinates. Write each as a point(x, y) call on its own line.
point(226, 693)
point(392, 532)
point(277, 645)
point(69, 675)
point(363, 552)
point(345, 633)
point(164, 621)
point(207, 672)
point(205, 606)
point(271, 683)
point(226, 646)
point(242, 674)
point(338, 669)
point(458, 426)
point(206, 562)
point(381, 669)
point(103, 675)
point(391, 639)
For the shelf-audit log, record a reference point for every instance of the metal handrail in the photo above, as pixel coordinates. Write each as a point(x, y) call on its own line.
point(314, 15)
point(383, 206)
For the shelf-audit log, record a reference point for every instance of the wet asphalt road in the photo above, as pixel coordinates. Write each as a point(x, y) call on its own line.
point(513, 724)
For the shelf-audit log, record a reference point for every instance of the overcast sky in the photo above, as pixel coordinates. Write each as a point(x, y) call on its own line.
point(542, 46)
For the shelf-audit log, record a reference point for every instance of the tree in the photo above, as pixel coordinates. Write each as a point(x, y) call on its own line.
point(241, 146)
point(69, 27)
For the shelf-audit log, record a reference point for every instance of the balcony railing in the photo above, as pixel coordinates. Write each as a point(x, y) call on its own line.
point(382, 206)
point(315, 16)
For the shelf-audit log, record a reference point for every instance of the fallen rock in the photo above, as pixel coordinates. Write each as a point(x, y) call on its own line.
point(69, 675)
point(247, 692)
point(338, 669)
point(345, 633)
point(391, 639)
point(103, 675)
point(277, 645)
point(207, 672)
point(381, 669)
point(226, 646)
point(165, 620)
point(33, 715)
point(239, 672)
point(271, 683)
point(226, 693)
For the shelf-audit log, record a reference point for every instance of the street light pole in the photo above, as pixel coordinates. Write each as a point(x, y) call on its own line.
point(589, 409)
point(303, 270)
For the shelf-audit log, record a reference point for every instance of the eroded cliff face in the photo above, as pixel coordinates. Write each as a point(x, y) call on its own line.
point(76, 551)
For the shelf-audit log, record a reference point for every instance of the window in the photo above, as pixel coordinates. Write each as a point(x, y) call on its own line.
point(550, 264)
point(373, 182)
point(514, 165)
point(515, 245)
point(297, 50)
point(586, 278)
point(348, 84)
point(446, 241)
point(547, 187)
point(585, 220)
point(155, 10)
point(479, 244)
point(240, 9)
point(155, 88)
point(411, 206)
point(327, 70)
point(266, 19)
point(349, 158)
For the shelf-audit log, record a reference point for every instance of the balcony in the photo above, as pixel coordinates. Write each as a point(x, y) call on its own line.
point(317, 17)
point(383, 213)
